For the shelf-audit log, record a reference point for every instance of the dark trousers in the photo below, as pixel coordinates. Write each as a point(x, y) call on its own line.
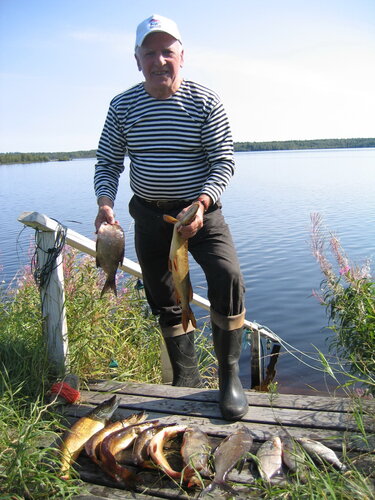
point(212, 248)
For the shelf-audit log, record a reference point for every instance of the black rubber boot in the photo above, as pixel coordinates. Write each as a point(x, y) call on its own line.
point(227, 344)
point(184, 361)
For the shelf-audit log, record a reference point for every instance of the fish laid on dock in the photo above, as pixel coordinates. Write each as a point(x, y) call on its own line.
point(321, 452)
point(116, 442)
point(93, 444)
point(140, 455)
point(156, 448)
point(195, 451)
point(229, 452)
point(269, 457)
point(76, 437)
point(179, 264)
point(294, 458)
point(110, 249)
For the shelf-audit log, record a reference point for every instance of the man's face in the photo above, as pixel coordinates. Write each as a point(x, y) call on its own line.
point(160, 58)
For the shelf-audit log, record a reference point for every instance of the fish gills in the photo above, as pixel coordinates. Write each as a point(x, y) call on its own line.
point(110, 249)
point(76, 437)
point(270, 458)
point(156, 448)
point(179, 265)
point(92, 445)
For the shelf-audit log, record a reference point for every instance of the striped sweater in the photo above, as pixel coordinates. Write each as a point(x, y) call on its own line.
point(178, 148)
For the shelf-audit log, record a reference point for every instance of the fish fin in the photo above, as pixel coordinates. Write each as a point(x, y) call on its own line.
point(190, 292)
point(175, 264)
point(187, 314)
point(170, 219)
point(110, 284)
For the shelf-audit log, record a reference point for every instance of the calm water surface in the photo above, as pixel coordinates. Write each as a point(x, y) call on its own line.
point(268, 207)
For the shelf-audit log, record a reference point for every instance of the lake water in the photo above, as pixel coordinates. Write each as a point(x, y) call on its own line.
point(268, 207)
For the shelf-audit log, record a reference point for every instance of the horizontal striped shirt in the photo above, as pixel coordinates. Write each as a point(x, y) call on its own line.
point(178, 148)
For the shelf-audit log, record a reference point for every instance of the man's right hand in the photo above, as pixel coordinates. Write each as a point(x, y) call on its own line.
point(105, 212)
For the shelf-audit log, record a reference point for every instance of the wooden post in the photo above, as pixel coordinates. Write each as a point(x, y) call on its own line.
point(51, 291)
point(256, 371)
point(53, 304)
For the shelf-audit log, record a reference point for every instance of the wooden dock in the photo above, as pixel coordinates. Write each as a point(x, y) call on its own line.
point(327, 419)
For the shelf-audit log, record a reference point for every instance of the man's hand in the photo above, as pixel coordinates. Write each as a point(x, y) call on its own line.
point(105, 212)
point(197, 223)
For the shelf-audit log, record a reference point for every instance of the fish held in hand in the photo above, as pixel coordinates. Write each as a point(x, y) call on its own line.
point(270, 458)
point(76, 437)
point(229, 452)
point(179, 264)
point(110, 249)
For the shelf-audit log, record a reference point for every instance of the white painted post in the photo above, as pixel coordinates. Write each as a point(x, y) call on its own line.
point(53, 305)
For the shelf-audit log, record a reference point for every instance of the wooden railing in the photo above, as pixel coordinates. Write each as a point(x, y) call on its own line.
point(53, 298)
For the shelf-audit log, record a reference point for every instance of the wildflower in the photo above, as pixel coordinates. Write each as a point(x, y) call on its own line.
point(344, 270)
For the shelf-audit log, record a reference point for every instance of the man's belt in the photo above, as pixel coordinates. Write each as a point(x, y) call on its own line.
point(165, 205)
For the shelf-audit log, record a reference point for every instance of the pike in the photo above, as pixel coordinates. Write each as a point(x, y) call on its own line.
point(110, 249)
point(179, 264)
point(230, 451)
point(93, 444)
point(269, 457)
point(76, 437)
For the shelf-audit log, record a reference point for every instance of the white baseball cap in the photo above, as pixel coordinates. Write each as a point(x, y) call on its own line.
point(154, 24)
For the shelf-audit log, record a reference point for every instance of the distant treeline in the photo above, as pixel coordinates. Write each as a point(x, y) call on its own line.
point(7, 158)
point(308, 144)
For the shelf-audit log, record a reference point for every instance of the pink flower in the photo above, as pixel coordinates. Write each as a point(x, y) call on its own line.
point(344, 270)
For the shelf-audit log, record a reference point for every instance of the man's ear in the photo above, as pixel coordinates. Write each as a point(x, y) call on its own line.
point(138, 63)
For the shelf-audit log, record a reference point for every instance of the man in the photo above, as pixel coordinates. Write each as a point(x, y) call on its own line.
point(179, 143)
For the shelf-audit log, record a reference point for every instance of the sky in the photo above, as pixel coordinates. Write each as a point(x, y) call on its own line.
point(291, 69)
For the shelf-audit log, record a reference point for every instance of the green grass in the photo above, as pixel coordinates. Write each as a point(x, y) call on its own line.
point(101, 332)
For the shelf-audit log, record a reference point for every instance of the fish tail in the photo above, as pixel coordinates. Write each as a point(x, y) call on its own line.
point(187, 314)
point(110, 284)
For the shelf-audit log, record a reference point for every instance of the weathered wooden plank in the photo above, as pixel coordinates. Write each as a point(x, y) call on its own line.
point(101, 492)
point(327, 403)
point(261, 414)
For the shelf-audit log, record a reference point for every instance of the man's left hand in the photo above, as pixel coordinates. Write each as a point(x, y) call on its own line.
point(191, 229)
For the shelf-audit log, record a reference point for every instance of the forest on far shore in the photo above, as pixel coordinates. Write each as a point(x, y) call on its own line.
point(8, 158)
